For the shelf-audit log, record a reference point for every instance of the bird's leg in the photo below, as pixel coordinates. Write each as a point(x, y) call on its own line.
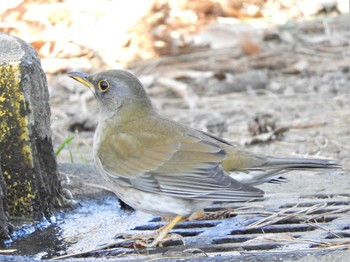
point(163, 232)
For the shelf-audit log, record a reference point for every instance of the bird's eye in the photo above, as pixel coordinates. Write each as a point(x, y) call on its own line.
point(103, 85)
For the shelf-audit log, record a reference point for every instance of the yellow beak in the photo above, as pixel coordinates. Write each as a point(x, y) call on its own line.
point(81, 78)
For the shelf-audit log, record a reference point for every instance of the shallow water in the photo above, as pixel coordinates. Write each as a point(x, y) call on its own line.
point(44, 242)
point(94, 222)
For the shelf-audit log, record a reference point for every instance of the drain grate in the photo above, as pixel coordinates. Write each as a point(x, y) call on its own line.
point(312, 222)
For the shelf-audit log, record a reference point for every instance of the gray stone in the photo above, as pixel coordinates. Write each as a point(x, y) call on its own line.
point(28, 162)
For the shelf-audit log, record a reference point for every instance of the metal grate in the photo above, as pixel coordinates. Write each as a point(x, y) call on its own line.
point(310, 223)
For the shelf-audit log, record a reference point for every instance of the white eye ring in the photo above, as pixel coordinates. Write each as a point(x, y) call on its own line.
point(103, 85)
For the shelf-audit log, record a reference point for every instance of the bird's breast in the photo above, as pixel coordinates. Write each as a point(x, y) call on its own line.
point(158, 204)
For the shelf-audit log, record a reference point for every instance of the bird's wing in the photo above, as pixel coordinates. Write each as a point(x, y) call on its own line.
point(250, 169)
point(160, 156)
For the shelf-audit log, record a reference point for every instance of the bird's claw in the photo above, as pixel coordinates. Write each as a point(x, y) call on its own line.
point(158, 241)
point(149, 240)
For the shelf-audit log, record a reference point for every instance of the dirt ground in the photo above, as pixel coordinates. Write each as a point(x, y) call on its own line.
point(290, 99)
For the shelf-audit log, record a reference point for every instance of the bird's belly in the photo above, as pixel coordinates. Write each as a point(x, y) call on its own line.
point(157, 204)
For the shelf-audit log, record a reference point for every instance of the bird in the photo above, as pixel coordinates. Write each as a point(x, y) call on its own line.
point(166, 168)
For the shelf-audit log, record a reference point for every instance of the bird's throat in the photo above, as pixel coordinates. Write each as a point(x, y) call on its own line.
point(129, 111)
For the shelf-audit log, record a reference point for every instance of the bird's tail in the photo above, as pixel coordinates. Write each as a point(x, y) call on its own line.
point(271, 168)
point(301, 163)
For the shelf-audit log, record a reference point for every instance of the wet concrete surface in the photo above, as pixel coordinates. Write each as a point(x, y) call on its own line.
point(95, 221)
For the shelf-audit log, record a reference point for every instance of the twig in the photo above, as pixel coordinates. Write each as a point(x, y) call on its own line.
point(276, 217)
point(89, 251)
point(337, 211)
point(325, 229)
point(6, 251)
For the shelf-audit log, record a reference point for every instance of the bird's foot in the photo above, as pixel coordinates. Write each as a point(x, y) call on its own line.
point(150, 240)
point(159, 237)
point(158, 240)
point(221, 214)
point(130, 237)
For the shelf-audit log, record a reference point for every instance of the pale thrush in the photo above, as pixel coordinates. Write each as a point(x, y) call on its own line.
point(165, 168)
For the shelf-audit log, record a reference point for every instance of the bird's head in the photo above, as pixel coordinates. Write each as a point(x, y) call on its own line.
point(115, 90)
